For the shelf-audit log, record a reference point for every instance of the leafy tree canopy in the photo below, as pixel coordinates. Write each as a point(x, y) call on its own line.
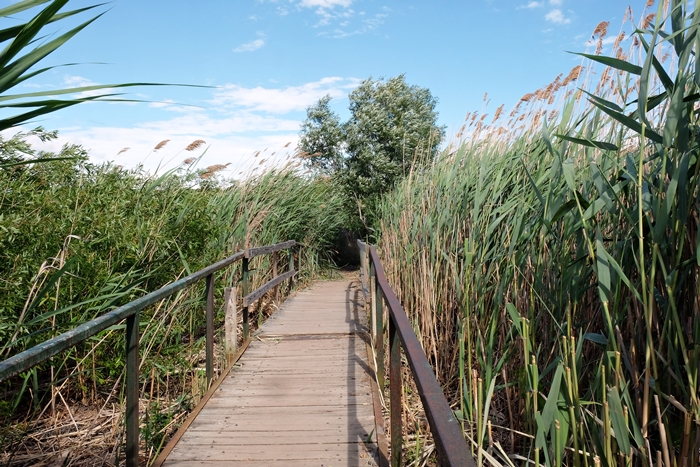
point(392, 128)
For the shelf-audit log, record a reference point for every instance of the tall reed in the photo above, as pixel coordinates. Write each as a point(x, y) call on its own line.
point(563, 258)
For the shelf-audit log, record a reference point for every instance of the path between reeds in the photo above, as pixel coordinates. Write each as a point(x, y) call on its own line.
point(301, 395)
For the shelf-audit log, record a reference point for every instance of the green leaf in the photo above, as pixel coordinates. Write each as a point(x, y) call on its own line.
point(630, 123)
point(596, 338)
point(613, 63)
point(21, 6)
point(618, 421)
point(602, 268)
point(589, 143)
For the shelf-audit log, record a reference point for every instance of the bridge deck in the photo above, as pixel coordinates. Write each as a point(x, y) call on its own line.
point(301, 394)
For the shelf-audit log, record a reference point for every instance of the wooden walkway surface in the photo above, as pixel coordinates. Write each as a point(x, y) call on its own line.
point(301, 394)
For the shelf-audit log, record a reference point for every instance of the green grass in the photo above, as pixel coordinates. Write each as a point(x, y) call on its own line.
point(556, 262)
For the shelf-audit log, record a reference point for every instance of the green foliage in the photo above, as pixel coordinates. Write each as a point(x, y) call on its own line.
point(321, 139)
point(562, 263)
point(78, 239)
point(392, 129)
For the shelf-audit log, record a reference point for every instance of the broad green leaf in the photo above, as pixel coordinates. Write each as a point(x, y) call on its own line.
point(602, 268)
point(596, 338)
point(21, 6)
point(630, 123)
point(613, 63)
point(603, 102)
point(590, 143)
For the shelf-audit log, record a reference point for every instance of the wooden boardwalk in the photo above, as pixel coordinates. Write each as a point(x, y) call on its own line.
point(301, 395)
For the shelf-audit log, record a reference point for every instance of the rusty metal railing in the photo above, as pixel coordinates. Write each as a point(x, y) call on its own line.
point(130, 312)
point(447, 433)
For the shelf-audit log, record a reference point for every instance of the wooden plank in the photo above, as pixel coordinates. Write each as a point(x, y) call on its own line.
point(277, 452)
point(226, 438)
point(263, 250)
point(262, 290)
point(301, 395)
point(320, 462)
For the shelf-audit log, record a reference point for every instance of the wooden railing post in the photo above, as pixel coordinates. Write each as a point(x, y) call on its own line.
point(395, 395)
point(372, 302)
point(245, 287)
point(230, 323)
point(132, 390)
point(291, 268)
point(379, 343)
point(276, 290)
point(210, 328)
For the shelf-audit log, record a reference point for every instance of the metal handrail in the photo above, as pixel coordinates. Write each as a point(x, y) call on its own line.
point(447, 433)
point(40, 353)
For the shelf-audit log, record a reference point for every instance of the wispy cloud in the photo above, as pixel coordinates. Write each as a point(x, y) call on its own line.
point(557, 17)
point(606, 41)
point(280, 100)
point(555, 2)
point(325, 3)
point(531, 6)
point(250, 46)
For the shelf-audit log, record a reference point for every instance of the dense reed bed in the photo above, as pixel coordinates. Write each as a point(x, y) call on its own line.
point(550, 262)
point(78, 239)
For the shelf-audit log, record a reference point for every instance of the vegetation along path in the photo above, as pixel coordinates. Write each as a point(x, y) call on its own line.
point(300, 395)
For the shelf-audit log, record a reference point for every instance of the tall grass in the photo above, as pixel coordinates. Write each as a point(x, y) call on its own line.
point(550, 265)
point(78, 239)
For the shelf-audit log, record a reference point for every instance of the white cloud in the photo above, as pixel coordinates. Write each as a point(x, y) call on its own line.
point(105, 143)
point(325, 3)
point(555, 2)
point(557, 17)
point(238, 122)
point(280, 101)
point(250, 46)
point(531, 5)
point(606, 41)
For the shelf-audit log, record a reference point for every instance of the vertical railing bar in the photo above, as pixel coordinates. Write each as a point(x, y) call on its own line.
point(395, 395)
point(379, 332)
point(245, 286)
point(275, 292)
point(210, 328)
point(373, 299)
point(291, 268)
point(132, 390)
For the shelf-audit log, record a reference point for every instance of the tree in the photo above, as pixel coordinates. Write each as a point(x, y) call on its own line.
point(322, 138)
point(392, 128)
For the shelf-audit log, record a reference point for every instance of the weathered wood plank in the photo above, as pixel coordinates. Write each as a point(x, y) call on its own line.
point(301, 394)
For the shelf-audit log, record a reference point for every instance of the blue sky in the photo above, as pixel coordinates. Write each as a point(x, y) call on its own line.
point(268, 60)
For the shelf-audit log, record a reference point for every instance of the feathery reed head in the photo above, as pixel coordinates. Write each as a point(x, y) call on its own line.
point(161, 145)
point(195, 144)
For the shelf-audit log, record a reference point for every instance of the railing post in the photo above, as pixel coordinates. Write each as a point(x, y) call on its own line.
point(373, 299)
point(210, 328)
point(132, 390)
point(291, 268)
point(230, 323)
point(275, 260)
point(395, 395)
point(379, 333)
point(245, 286)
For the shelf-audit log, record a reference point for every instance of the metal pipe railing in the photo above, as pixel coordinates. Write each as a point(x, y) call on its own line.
point(130, 312)
point(450, 445)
